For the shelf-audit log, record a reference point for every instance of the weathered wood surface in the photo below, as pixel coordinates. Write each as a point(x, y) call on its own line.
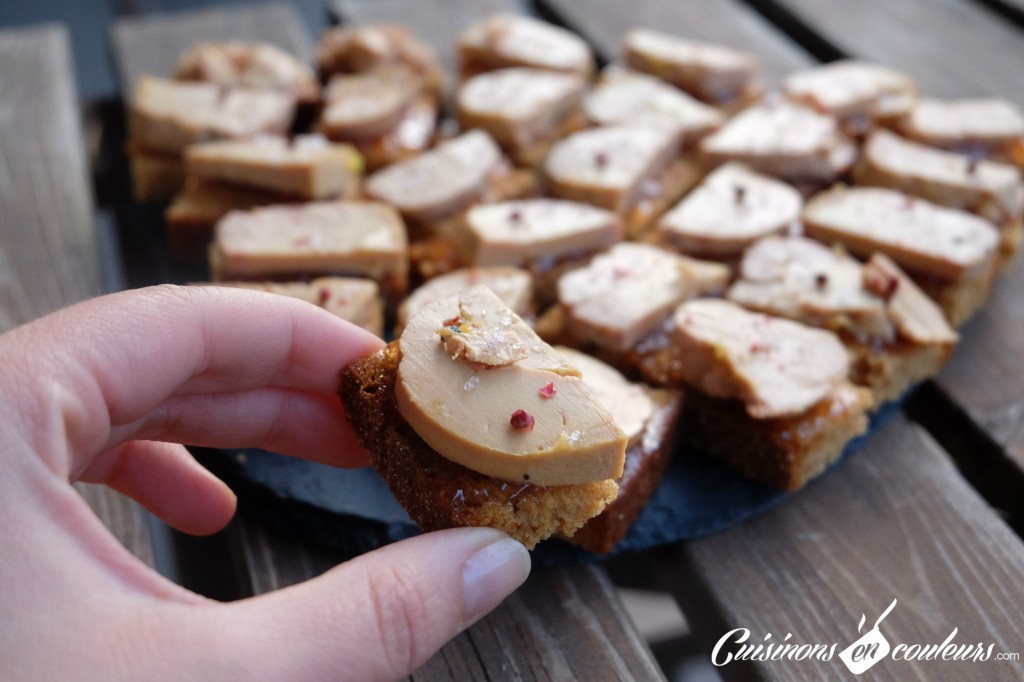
point(727, 22)
point(954, 48)
point(49, 255)
point(895, 521)
point(562, 624)
point(959, 49)
point(48, 250)
point(152, 44)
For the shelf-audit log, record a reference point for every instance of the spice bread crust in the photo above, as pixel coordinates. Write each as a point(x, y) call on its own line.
point(961, 299)
point(646, 462)
point(155, 177)
point(438, 493)
point(784, 452)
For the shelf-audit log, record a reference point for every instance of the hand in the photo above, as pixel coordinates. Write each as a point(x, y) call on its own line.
point(103, 392)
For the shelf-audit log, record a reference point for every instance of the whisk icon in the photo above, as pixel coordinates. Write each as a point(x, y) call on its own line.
point(870, 648)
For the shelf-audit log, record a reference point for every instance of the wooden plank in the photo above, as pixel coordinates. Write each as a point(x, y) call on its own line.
point(437, 22)
point(728, 22)
point(896, 521)
point(566, 623)
point(152, 44)
point(960, 49)
point(49, 250)
point(955, 48)
point(126, 519)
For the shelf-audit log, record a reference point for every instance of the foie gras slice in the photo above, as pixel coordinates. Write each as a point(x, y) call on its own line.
point(441, 182)
point(993, 190)
point(373, 47)
point(917, 234)
point(849, 87)
point(786, 140)
point(523, 231)
point(308, 166)
point(916, 317)
point(607, 166)
point(776, 367)
point(625, 96)
point(711, 72)
point(482, 389)
point(262, 66)
point(505, 40)
point(629, 403)
point(732, 208)
point(964, 124)
point(512, 285)
point(625, 293)
point(367, 104)
point(343, 237)
point(805, 280)
point(519, 107)
point(167, 116)
point(353, 299)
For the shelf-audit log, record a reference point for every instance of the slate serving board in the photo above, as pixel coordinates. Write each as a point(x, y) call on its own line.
point(353, 511)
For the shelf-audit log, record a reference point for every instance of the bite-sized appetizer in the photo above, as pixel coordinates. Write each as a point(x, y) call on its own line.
point(190, 217)
point(546, 237)
point(988, 127)
point(895, 335)
point(712, 73)
point(440, 184)
point(505, 40)
point(782, 139)
point(648, 417)
point(301, 241)
point(951, 254)
point(353, 299)
point(525, 110)
point(383, 113)
point(166, 116)
point(514, 286)
point(633, 171)
point(472, 420)
point(368, 48)
point(857, 93)
point(261, 66)
point(732, 208)
point(992, 190)
point(617, 305)
point(527, 230)
point(306, 167)
point(631, 97)
point(768, 396)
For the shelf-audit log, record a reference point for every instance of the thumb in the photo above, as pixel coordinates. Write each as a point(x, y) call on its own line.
point(377, 617)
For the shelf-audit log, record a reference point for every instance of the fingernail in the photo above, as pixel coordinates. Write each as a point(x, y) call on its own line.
point(492, 574)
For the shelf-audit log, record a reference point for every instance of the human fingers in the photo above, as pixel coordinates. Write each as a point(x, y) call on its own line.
point(108, 362)
point(306, 425)
point(377, 617)
point(167, 480)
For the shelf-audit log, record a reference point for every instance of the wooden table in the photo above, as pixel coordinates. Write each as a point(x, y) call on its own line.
point(929, 512)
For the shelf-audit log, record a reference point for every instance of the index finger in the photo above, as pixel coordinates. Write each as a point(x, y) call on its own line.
point(127, 353)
